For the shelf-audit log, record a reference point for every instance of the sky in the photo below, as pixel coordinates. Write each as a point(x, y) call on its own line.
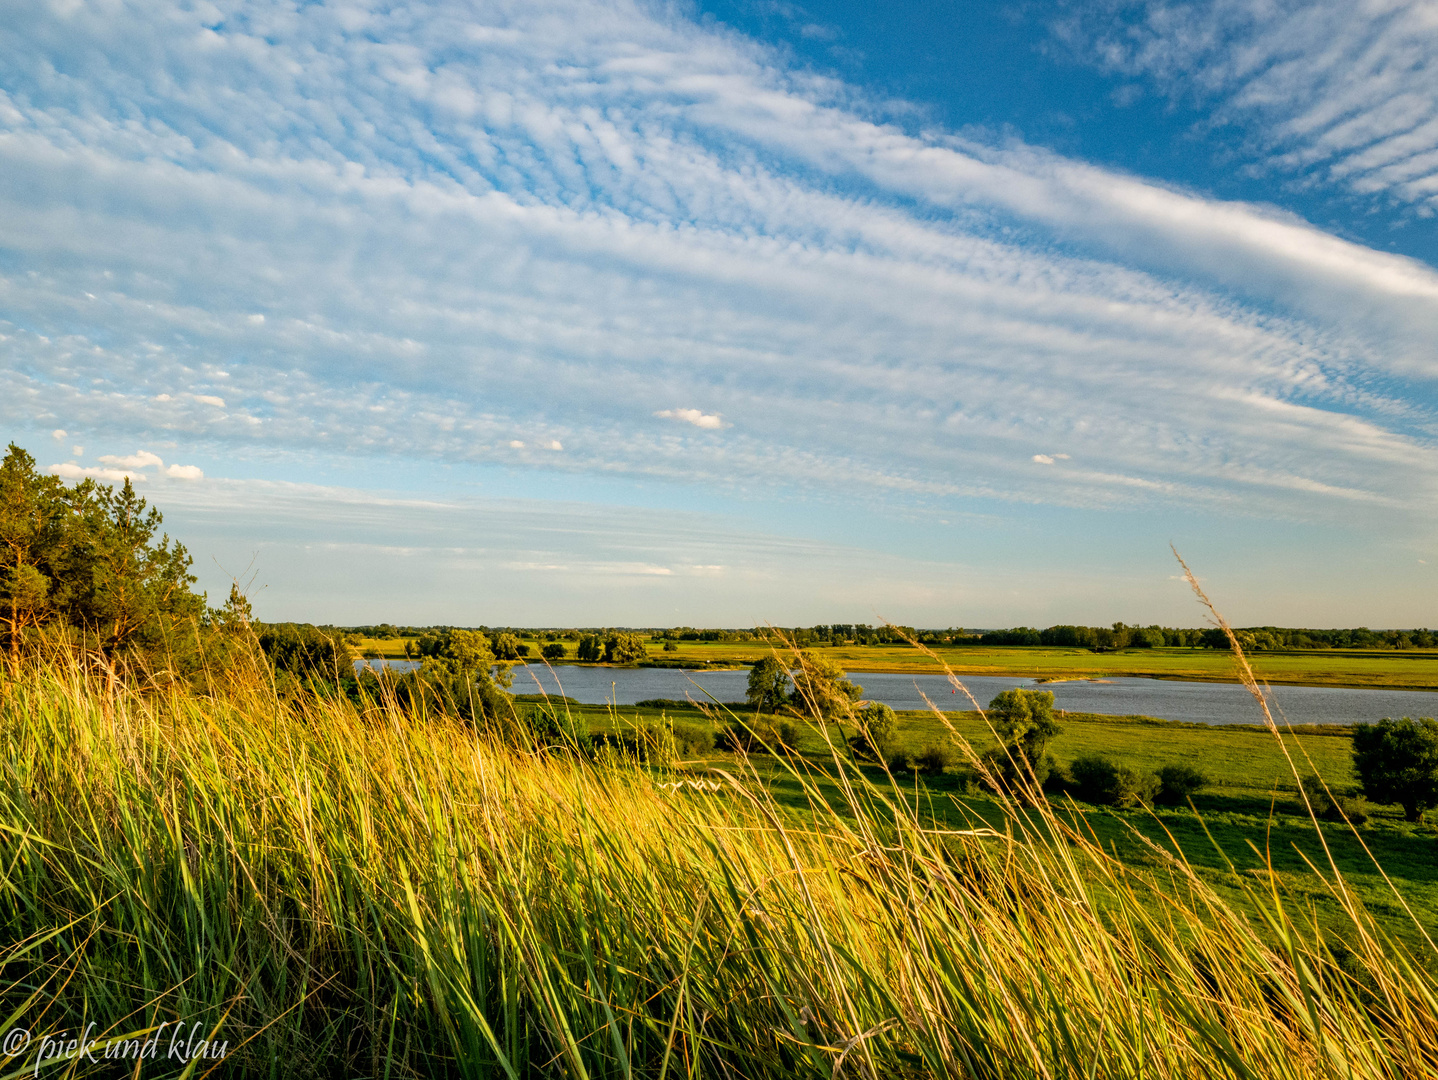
point(735, 312)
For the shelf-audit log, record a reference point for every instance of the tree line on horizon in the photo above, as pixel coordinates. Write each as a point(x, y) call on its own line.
point(1115, 636)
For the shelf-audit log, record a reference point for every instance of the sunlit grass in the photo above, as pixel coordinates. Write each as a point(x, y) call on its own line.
point(365, 892)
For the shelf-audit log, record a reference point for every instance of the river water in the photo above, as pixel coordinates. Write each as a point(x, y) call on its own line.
point(1201, 702)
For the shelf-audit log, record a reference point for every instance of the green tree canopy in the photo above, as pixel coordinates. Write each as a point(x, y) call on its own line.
point(590, 647)
point(622, 648)
point(1397, 762)
point(1024, 720)
point(820, 686)
point(768, 689)
point(91, 561)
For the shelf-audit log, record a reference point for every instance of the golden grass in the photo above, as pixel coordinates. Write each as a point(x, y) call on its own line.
point(361, 891)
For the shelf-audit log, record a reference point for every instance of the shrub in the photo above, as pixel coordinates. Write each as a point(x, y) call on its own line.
point(1098, 780)
point(553, 651)
point(1008, 764)
point(693, 739)
point(1178, 783)
point(902, 762)
point(878, 725)
point(741, 737)
point(1333, 805)
point(936, 757)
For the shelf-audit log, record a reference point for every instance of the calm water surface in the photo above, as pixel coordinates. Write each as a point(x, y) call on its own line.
point(1202, 702)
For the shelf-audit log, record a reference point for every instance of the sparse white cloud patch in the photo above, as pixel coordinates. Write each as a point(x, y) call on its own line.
point(71, 471)
point(162, 397)
point(700, 419)
point(257, 320)
point(554, 444)
point(58, 434)
point(185, 472)
point(77, 451)
point(1043, 459)
point(141, 459)
point(209, 399)
point(516, 444)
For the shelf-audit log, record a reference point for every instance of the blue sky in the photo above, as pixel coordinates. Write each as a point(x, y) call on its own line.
point(738, 312)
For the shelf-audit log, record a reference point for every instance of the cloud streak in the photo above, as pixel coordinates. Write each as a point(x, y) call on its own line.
point(488, 233)
point(1344, 94)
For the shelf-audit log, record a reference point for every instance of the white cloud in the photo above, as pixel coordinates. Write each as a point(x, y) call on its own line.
point(77, 451)
point(141, 459)
point(554, 444)
point(1340, 92)
point(516, 444)
point(257, 320)
point(71, 471)
point(601, 211)
point(1043, 459)
point(696, 417)
point(59, 434)
point(185, 472)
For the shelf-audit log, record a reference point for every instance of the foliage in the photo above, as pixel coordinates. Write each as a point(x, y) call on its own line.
point(747, 736)
point(624, 648)
point(301, 653)
point(86, 561)
point(1397, 762)
point(1178, 783)
point(1025, 721)
point(768, 689)
point(690, 739)
point(590, 647)
point(509, 648)
point(554, 650)
point(1334, 805)
point(1098, 780)
point(878, 725)
point(821, 689)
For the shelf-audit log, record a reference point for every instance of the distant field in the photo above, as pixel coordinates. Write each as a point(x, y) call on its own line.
point(1408, 669)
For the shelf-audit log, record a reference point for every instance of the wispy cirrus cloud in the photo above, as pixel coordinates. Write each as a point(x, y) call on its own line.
point(1339, 93)
point(487, 233)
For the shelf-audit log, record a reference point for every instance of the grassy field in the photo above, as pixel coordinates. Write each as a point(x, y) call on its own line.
point(1407, 669)
point(1250, 815)
point(333, 890)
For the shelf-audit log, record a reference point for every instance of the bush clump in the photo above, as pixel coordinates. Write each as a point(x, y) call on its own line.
point(740, 736)
point(1179, 783)
point(693, 739)
point(1098, 780)
point(878, 724)
point(1334, 805)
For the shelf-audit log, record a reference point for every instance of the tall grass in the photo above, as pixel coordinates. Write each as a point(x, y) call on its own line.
point(343, 891)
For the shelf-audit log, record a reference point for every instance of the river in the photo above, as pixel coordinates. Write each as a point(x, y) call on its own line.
point(1200, 702)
